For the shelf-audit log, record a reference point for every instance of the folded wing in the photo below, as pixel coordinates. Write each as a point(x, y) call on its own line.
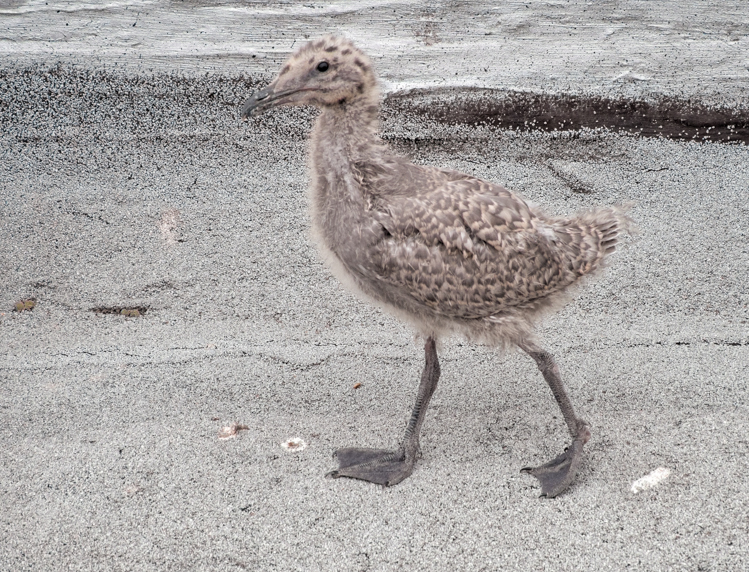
point(467, 248)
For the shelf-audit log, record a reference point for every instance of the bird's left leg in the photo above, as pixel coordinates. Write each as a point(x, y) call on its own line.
point(558, 474)
point(383, 466)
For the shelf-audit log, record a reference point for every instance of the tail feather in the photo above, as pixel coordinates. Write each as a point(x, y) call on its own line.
point(604, 227)
point(609, 221)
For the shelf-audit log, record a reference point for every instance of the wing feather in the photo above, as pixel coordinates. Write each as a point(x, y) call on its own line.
point(468, 248)
point(463, 247)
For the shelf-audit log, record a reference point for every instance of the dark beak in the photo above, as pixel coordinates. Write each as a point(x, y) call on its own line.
point(256, 100)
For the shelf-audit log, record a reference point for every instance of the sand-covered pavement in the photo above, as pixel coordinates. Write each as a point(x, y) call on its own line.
point(123, 189)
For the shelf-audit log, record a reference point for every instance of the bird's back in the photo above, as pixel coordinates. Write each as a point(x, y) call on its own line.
point(470, 249)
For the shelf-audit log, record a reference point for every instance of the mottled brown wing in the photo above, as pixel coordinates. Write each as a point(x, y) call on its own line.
point(465, 247)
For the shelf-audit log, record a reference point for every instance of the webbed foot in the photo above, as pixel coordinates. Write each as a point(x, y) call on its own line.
point(379, 466)
point(556, 475)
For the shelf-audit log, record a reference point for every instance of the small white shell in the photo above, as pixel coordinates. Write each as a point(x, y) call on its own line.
point(230, 431)
point(651, 480)
point(294, 444)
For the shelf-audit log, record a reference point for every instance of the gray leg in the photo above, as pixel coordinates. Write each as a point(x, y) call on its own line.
point(385, 467)
point(558, 474)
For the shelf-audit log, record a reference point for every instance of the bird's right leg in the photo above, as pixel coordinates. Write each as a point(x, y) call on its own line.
point(556, 475)
point(385, 467)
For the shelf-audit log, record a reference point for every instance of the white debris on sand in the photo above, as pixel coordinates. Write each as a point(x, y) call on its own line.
point(230, 431)
point(169, 225)
point(651, 480)
point(294, 445)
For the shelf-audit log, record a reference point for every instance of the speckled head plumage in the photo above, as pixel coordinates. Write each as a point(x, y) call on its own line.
point(327, 72)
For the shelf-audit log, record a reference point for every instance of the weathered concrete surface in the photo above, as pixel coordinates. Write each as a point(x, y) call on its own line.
point(120, 191)
point(631, 47)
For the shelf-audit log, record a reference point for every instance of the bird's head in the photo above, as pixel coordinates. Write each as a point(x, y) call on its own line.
point(327, 72)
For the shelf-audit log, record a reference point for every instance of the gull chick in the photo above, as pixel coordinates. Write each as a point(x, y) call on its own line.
point(441, 249)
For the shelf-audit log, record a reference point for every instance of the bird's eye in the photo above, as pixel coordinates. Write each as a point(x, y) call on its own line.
point(322, 66)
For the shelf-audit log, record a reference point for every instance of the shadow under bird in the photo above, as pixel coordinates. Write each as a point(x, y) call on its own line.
point(441, 249)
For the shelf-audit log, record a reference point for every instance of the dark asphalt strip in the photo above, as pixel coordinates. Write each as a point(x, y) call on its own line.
point(661, 117)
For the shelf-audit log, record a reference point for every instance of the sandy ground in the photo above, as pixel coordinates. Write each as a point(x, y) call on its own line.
point(146, 191)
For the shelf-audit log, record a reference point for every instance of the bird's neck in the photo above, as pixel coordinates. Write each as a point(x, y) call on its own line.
point(343, 135)
point(348, 126)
